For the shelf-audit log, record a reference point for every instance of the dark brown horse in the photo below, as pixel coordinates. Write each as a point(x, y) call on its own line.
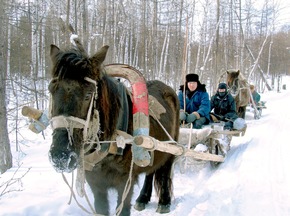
point(81, 92)
point(239, 89)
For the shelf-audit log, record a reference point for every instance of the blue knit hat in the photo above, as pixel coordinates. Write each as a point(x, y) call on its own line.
point(222, 86)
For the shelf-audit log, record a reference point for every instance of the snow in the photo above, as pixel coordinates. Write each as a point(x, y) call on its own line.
point(73, 37)
point(253, 180)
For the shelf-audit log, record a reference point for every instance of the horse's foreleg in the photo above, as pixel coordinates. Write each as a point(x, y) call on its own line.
point(163, 185)
point(124, 202)
point(242, 112)
point(100, 190)
point(101, 202)
point(145, 194)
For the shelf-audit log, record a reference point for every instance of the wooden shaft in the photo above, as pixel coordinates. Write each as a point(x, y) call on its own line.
point(204, 156)
point(31, 112)
point(152, 144)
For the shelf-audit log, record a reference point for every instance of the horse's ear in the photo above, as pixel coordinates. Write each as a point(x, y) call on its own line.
point(228, 72)
point(100, 56)
point(54, 50)
point(238, 72)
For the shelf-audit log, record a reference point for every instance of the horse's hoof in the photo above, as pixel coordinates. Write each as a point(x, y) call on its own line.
point(162, 209)
point(139, 206)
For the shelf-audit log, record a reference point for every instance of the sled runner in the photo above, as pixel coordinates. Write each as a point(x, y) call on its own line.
point(257, 110)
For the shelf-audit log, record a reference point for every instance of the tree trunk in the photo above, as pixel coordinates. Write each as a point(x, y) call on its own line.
point(5, 151)
point(257, 65)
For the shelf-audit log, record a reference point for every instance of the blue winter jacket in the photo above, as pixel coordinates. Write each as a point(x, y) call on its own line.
point(256, 97)
point(198, 102)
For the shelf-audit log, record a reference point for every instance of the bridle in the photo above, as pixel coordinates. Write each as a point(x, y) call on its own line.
point(72, 122)
point(236, 88)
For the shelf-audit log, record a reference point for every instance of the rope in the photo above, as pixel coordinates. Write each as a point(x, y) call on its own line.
point(74, 197)
point(126, 189)
point(69, 123)
point(189, 145)
point(156, 119)
point(86, 125)
point(80, 180)
point(92, 136)
point(80, 186)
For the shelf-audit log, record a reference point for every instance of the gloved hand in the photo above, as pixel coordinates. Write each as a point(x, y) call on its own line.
point(182, 115)
point(191, 118)
point(222, 118)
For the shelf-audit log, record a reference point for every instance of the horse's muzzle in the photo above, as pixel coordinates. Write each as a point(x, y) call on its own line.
point(65, 162)
point(62, 153)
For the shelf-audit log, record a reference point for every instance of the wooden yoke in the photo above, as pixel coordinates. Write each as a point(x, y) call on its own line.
point(141, 156)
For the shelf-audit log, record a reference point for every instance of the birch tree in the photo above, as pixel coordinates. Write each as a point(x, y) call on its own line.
point(5, 151)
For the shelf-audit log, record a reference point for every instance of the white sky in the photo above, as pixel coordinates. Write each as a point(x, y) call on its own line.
point(283, 10)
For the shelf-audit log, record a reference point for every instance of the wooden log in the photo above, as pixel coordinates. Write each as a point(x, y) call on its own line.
point(227, 132)
point(203, 156)
point(152, 144)
point(31, 112)
point(216, 133)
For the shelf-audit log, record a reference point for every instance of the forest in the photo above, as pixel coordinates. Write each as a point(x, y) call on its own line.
point(164, 39)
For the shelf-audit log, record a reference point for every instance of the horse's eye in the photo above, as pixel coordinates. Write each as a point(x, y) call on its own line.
point(88, 96)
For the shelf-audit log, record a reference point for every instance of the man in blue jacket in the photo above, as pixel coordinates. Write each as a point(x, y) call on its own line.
point(196, 107)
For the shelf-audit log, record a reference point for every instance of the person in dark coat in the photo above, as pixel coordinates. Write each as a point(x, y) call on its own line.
point(224, 107)
point(256, 96)
point(196, 108)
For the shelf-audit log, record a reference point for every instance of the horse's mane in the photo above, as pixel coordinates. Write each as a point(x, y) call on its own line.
point(110, 104)
point(72, 64)
point(243, 79)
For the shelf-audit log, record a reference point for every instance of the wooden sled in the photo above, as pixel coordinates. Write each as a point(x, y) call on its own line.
point(257, 109)
point(214, 141)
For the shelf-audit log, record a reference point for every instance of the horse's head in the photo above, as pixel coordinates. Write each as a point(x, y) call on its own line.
point(73, 91)
point(233, 81)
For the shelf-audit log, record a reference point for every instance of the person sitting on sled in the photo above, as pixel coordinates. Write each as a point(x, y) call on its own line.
point(224, 107)
point(256, 96)
point(197, 105)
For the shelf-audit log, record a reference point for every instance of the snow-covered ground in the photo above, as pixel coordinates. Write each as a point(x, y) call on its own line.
point(253, 180)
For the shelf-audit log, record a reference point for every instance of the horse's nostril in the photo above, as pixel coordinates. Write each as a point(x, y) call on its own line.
point(72, 161)
point(64, 162)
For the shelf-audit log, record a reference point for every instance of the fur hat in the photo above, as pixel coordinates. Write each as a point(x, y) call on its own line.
point(222, 86)
point(191, 78)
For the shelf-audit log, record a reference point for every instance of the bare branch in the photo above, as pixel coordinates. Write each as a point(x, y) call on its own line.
point(5, 187)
